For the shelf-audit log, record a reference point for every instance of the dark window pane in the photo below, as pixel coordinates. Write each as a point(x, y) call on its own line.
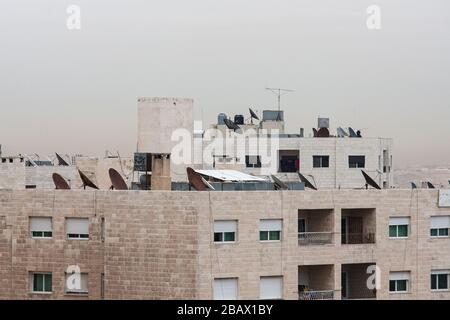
point(38, 282)
point(48, 282)
point(48, 234)
point(37, 233)
point(229, 236)
point(442, 281)
point(218, 236)
point(403, 231)
point(356, 161)
point(392, 285)
point(433, 282)
point(84, 236)
point(316, 162)
point(443, 232)
point(401, 285)
point(392, 231)
point(301, 225)
point(263, 235)
point(274, 235)
point(434, 232)
point(325, 162)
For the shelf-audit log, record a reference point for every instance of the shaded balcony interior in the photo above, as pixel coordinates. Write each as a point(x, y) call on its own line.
point(316, 282)
point(358, 226)
point(315, 226)
point(355, 280)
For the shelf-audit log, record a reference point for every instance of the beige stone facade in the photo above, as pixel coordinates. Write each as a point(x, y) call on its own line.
point(159, 244)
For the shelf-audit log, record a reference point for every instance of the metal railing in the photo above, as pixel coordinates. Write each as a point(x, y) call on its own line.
point(312, 238)
point(357, 238)
point(316, 295)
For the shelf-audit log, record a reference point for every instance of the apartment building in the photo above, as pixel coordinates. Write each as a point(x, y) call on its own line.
point(307, 245)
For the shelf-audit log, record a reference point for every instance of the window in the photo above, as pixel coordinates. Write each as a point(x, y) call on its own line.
point(225, 231)
point(225, 289)
point(41, 282)
point(301, 228)
point(439, 226)
point(253, 161)
point(77, 228)
point(76, 283)
point(41, 227)
point(356, 161)
point(399, 281)
point(398, 227)
point(440, 280)
point(271, 288)
point(321, 161)
point(270, 230)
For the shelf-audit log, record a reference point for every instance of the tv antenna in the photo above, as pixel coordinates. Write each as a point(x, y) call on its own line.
point(279, 92)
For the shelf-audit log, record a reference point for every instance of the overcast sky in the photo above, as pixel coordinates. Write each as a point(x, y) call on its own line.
point(76, 91)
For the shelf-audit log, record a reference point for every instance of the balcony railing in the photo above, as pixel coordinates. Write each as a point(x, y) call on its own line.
point(358, 238)
point(316, 295)
point(313, 238)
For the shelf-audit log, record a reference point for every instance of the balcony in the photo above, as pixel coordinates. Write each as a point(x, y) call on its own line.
point(316, 282)
point(358, 226)
point(356, 283)
point(316, 295)
point(315, 238)
point(315, 226)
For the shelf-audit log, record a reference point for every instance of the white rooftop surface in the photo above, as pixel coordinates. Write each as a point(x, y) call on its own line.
point(229, 175)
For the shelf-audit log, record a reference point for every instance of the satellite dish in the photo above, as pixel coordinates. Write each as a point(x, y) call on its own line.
point(358, 134)
point(116, 180)
point(60, 182)
point(315, 133)
point(280, 185)
point(231, 125)
point(323, 133)
point(370, 181)
point(352, 133)
point(252, 114)
point(307, 183)
point(413, 185)
point(207, 183)
point(86, 181)
point(61, 161)
point(341, 133)
point(196, 180)
point(430, 185)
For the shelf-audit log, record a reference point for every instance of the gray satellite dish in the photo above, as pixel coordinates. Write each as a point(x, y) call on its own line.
point(430, 185)
point(280, 185)
point(231, 125)
point(307, 183)
point(413, 185)
point(315, 132)
point(352, 133)
point(370, 181)
point(341, 133)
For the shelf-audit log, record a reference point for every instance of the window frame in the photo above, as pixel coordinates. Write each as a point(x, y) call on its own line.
point(78, 236)
point(268, 232)
point(356, 167)
point(437, 274)
point(222, 233)
point(438, 233)
point(76, 293)
point(43, 274)
point(42, 236)
point(396, 286)
point(252, 165)
point(321, 157)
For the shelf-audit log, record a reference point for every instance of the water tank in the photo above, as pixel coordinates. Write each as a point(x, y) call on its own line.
point(239, 119)
point(273, 115)
point(323, 123)
point(221, 117)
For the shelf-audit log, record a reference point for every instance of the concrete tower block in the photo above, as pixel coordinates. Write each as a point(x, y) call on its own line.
point(158, 118)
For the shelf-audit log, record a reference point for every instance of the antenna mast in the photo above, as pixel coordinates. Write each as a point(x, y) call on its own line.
point(279, 92)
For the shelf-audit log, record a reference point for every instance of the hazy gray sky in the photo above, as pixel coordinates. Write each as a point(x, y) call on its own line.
point(76, 91)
